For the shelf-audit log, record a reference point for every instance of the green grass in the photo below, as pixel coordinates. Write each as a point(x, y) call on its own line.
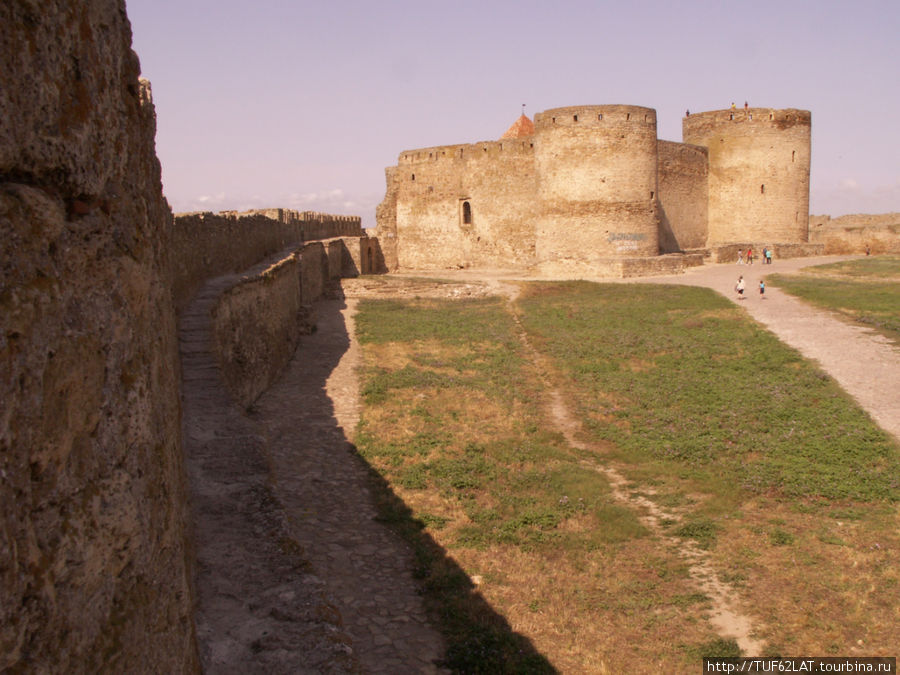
point(675, 376)
point(865, 291)
point(676, 385)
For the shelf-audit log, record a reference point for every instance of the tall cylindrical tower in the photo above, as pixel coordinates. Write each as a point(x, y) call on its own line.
point(758, 173)
point(596, 182)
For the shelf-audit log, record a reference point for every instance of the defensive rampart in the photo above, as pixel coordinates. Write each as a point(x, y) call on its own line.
point(758, 172)
point(683, 197)
point(93, 564)
point(256, 325)
point(207, 245)
point(596, 183)
point(855, 233)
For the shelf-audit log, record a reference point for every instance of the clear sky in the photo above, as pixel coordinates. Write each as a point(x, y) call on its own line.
point(303, 103)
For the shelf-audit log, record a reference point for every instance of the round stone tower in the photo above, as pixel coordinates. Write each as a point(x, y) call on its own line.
point(758, 173)
point(596, 183)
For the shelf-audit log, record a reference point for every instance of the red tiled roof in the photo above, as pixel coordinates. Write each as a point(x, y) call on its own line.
point(521, 127)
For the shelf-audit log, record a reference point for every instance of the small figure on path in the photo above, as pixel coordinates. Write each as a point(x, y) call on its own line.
point(768, 256)
point(732, 105)
point(739, 287)
point(762, 289)
point(687, 113)
point(749, 256)
point(740, 260)
point(745, 105)
point(868, 250)
point(765, 254)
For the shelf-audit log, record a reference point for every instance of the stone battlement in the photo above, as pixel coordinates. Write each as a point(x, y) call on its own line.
point(780, 119)
point(595, 115)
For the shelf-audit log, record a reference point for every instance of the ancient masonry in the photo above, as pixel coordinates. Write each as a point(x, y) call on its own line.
point(584, 190)
point(97, 561)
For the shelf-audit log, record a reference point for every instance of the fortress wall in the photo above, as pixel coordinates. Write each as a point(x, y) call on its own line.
point(427, 211)
point(495, 179)
point(386, 219)
point(683, 196)
point(257, 325)
point(852, 233)
point(499, 186)
point(93, 571)
point(758, 172)
point(596, 172)
point(313, 272)
point(207, 245)
point(335, 250)
point(356, 255)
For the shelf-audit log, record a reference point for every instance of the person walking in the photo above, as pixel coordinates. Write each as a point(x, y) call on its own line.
point(762, 289)
point(740, 260)
point(739, 287)
point(749, 256)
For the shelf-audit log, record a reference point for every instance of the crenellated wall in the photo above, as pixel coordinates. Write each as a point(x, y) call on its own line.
point(93, 553)
point(593, 184)
point(207, 245)
point(460, 206)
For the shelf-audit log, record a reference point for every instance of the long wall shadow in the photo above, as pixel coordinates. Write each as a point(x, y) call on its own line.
point(402, 599)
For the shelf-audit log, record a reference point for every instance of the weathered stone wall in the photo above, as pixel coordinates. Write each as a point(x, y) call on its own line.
point(93, 572)
point(257, 324)
point(335, 252)
point(207, 245)
point(758, 173)
point(683, 196)
point(596, 178)
point(313, 272)
point(461, 206)
point(386, 219)
point(853, 233)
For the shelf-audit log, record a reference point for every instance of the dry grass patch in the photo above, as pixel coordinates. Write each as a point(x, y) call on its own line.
point(820, 582)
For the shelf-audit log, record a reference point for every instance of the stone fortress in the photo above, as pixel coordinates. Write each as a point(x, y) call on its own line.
point(98, 555)
point(592, 190)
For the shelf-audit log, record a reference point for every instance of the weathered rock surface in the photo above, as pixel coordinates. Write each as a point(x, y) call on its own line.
point(93, 573)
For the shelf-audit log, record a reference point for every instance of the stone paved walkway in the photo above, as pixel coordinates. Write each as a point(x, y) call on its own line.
point(258, 608)
point(308, 417)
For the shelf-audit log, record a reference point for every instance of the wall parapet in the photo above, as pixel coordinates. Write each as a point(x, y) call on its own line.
point(775, 117)
point(206, 245)
point(465, 151)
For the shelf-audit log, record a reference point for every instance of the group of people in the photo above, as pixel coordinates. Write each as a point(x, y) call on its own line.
point(766, 253)
point(740, 286)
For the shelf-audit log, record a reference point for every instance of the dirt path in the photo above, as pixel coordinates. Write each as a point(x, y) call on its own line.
point(727, 618)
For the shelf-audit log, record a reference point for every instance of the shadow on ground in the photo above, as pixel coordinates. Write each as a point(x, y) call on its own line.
point(403, 600)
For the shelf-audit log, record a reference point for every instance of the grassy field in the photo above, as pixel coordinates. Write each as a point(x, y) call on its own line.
point(531, 565)
point(865, 291)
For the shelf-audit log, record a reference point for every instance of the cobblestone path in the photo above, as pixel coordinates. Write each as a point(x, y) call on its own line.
point(307, 417)
point(258, 609)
